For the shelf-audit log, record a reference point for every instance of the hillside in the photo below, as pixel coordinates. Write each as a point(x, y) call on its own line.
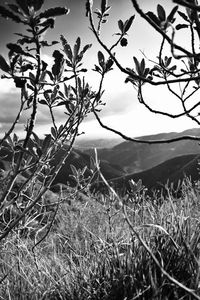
point(80, 160)
point(154, 164)
point(83, 143)
point(135, 157)
point(170, 172)
point(76, 158)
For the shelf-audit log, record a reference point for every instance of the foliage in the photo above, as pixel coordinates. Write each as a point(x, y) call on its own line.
point(31, 171)
point(175, 67)
point(75, 244)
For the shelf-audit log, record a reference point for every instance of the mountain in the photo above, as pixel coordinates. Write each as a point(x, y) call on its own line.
point(154, 164)
point(79, 160)
point(97, 143)
point(135, 157)
point(76, 158)
point(171, 172)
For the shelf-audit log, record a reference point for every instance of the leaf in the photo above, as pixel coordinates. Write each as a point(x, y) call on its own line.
point(137, 65)
point(19, 83)
point(66, 90)
point(146, 72)
point(32, 77)
point(29, 86)
point(53, 12)
point(161, 12)
point(98, 13)
point(3, 64)
point(66, 47)
point(57, 55)
point(61, 103)
point(46, 143)
point(173, 68)
point(46, 95)
point(14, 8)
point(168, 61)
point(97, 69)
point(77, 48)
point(181, 26)
point(25, 40)
point(43, 102)
point(47, 23)
point(14, 48)
point(5, 13)
point(101, 59)
point(103, 6)
point(58, 65)
point(87, 8)
point(60, 129)
point(68, 63)
point(128, 23)
point(74, 171)
point(36, 138)
point(107, 9)
point(37, 4)
point(172, 13)
point(85, 48)
point(183, 16)
point(153, 17)
point(142, 66)
point(121, 25)
point(23, 4)
point(53, 43)
point(190, 14)
point(39, 151)
point(54, 94)
point(50, 75)
point(124, 42)
point(45, 43)
point(53, 132)
point(26, 67)
point(109, 64)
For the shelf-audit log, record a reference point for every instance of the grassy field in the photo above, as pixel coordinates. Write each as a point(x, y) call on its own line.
point(103, 247)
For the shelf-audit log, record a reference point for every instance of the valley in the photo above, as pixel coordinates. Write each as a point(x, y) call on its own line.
point(155, 165)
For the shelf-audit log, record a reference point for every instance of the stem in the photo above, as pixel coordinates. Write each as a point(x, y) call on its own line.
point(30, 126)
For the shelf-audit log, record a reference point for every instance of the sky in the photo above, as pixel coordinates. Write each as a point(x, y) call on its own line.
point(122, 110)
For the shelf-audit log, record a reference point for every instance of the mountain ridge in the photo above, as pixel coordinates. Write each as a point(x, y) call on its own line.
point(137, 157)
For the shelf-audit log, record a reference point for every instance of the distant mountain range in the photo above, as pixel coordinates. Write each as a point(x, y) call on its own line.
point(170, 173)
point(135, 157)
point(83, 143)
point(155, 164)
point(79, 160)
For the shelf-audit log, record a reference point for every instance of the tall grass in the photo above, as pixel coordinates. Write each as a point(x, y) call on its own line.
point(93, 253)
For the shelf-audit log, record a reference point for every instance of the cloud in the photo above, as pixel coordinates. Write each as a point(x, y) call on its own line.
point(117, 101)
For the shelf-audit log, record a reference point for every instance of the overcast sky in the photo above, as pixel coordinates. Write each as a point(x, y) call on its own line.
point(122, 110)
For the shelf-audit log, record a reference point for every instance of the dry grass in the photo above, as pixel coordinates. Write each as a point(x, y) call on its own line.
point(92, 253)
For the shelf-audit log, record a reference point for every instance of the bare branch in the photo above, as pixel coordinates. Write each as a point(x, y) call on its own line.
point(161, 141)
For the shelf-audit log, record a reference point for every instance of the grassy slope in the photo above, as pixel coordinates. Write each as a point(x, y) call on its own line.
point(92, 253)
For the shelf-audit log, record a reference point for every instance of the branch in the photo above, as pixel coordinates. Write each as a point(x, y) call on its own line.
point(159, 30)
point(185, 112)
point(163, 141)
point(187, 4)
point(134, 76)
